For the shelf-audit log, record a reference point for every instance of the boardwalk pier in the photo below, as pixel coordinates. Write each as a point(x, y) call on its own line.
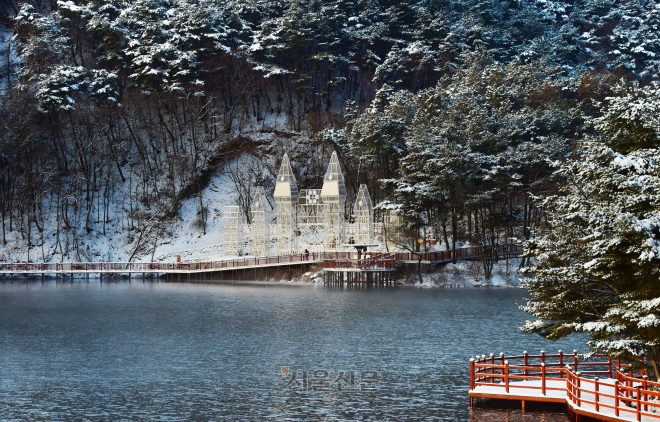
point(377, 268)
point(600, 388)
point(246, 266)
point(380, 268)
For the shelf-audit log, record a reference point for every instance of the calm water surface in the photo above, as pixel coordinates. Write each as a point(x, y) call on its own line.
point(157, 351)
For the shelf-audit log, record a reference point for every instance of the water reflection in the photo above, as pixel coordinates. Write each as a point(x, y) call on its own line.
point(505, 411)
point(498, 415)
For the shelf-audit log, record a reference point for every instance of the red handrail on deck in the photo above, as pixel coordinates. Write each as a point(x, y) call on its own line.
point(94, 267)
point(338, 260)
point(626, 395)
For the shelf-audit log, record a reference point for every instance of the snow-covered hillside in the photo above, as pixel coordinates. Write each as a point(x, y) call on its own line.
point(185, 237)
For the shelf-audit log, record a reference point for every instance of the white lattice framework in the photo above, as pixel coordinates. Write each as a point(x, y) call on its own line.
point(260, 211)
point(311, 224)
point(333, 195)
point(379, 233)
point(364, 216)
point(234, 236)
point(286, 198)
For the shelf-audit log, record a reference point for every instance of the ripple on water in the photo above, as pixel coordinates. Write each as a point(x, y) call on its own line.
point(156, 351)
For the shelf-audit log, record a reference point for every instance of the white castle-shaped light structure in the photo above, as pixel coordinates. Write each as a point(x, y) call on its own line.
point(311, 219)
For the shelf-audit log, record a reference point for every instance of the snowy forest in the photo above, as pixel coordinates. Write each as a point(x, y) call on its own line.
point(531, 121)
point(457, 114)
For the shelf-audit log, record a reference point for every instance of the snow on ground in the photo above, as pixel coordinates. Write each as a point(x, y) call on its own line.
point(187, 239)
point(466, 274)
point(113, 245)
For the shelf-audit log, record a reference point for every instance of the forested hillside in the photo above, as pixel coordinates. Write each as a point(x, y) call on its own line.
point(453, 112)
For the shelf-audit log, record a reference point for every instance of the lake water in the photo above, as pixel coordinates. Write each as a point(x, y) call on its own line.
point(165, 351)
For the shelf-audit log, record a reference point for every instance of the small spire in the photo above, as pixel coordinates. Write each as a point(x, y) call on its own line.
point(334, 188)
point(259, 200)
point(286, 187)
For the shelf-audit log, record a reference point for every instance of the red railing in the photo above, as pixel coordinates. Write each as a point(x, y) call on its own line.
point(621, 394)
point(362, 264)
point(71, 267)
point(343, 259)
point(388, 260)
point(462, 253)
point(630, 395)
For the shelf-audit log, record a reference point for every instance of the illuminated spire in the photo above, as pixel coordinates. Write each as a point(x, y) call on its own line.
point(286, 188)
point(334, 189)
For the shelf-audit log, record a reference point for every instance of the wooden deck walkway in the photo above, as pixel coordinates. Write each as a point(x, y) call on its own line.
point(462, 254)
point(343, 262)
point(604, 390)
point(164, 267)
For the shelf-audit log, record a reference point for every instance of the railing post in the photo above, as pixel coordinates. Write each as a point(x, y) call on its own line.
point(616, 398)
point(471, 374)
point(543, 378)
point(569, 382)
point(506, 375)
point(575, 361)
point(525, 362)
point(630, 373)
point(609, 365)
point(492, 370)
point(629, 380)
point(501, 363)
point(578, 388)
point(561, 363)
point(596, 395)
point(638, 403)
point(478, 378)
